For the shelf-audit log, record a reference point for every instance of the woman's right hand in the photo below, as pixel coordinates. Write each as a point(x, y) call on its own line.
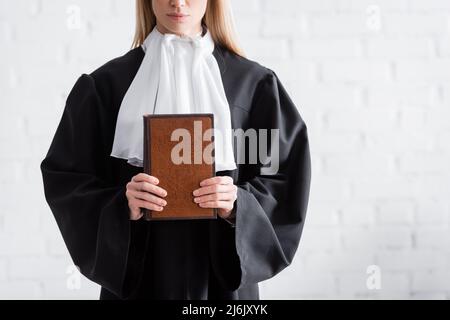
point(143, 192)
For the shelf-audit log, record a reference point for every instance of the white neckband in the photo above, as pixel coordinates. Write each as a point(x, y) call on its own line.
point(178, 74)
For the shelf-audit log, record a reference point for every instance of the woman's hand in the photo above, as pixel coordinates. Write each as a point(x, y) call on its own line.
point(143, 192)
point(217, 192)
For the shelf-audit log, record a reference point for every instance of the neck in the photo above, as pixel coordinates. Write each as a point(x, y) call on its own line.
point(190, 33)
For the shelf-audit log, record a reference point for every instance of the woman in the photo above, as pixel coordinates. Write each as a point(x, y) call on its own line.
point(184, 55)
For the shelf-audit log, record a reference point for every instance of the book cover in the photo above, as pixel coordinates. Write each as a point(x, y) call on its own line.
point(179, 151)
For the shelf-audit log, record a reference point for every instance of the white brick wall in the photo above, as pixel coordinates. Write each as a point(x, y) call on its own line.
point(372, 81)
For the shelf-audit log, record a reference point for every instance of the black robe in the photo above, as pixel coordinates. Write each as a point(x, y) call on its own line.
point(202, 259)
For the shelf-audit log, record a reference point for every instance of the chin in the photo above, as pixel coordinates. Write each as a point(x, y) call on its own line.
point(177, 30)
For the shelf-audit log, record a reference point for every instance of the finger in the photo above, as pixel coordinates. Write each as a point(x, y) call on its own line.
point(136, 214)
point(148, 197)
point(215, 197)
point(145, 177)
point(213, 189)
point(132, 185)
point(216, 180)
point(145, 186)
point(138, 180)
point(148, 205)
point(217, 204)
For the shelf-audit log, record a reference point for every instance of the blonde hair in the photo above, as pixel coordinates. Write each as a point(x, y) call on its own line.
point(218, 19)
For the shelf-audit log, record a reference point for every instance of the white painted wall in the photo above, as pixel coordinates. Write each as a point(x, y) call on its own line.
point(370, 78)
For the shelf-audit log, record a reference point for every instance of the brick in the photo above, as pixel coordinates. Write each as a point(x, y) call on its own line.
point(9, 77)
point(432, 212)
point(423, 71)
point(385, 187)
point(369, 164)
point(338, 25)
point(327, 49)
point(355, 71)
point(431, 186)
point(260, 49)
point(21, 244)
point(362, 5)
point(395, 283)
point(57, 290)
point(56, 247)
point(435, 121)
point(442, 140)
point(446, 93)
point(314, 284)
point(280, 25)
point(341, 261)
point(28, 222)
point(335, 143)
point(424, 163)
point(399, 142)
point(400, 48)
point(444, 47)
point(297, 72)
point(6, 32)
point(26, 9)
point(400, 95)
point(319, 239)
point(412, 24)
point(381, 237)
point(11, 171)
point(3, 270)
point(329, 189)
point(429, 296)
point(248, 7)
point(20, 290)
point(317, 169)
point(103, 7)
point(434, 282)
point(357, 214)
point(323, 96)
point(296, 6)
point(27, 268)
point(368, 120)
point(248, 26)
point(395, 212)
point(322, 214)
point(413, 119)
point(10, 122)
point(432, 237)
point(412, 260)
point(13, 202)
point(440, 5)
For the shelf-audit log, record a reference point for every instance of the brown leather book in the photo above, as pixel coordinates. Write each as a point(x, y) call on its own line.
point(180, 165)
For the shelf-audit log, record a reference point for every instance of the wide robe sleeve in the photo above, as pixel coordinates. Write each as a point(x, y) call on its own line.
point(270, 209)
point(91, 212)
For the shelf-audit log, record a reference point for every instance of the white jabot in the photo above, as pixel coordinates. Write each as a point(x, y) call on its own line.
point(179, 74)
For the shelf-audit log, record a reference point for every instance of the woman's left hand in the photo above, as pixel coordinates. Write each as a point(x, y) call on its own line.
point(217, 192)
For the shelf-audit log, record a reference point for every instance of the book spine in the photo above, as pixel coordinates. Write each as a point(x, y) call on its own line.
point(146, 212)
